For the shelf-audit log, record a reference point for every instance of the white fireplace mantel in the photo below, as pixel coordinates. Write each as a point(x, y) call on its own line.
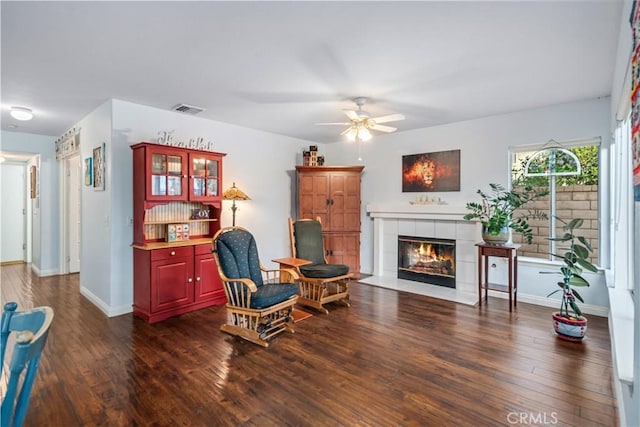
point(426, 211)
point(424, 220)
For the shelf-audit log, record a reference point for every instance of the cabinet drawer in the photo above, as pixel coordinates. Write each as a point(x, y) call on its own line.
point(160, 254)
point(203, 249)
point(499, 252)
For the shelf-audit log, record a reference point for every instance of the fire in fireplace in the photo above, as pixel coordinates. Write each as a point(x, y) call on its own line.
point(427, 260)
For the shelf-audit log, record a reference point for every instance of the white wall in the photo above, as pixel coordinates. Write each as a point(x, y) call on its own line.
point(45, 209)
point(96, 260)
point(261, 163)
point(484, 145)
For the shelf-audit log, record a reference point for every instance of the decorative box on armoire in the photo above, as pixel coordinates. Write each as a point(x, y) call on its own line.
point(333, 194)
point(176, 211)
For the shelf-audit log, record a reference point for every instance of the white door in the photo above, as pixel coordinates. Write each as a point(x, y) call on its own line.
point(13, 212)
point(73, 225)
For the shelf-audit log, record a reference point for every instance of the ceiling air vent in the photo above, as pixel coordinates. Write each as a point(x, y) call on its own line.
point(188, 109)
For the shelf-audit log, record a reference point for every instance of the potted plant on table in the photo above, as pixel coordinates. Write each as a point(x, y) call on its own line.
point(496, 212)
point(569, 323)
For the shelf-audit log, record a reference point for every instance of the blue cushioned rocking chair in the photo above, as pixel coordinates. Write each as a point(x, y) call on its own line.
point(319, 282)
point(31, 328)
point(259, 306)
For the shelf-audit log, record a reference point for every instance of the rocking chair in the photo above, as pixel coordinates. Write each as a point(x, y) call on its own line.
point(319, 282)
point(259, 306)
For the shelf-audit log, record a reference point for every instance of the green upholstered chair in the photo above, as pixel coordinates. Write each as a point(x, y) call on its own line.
point(319, 282)
point(259, 305)
point(30, 329)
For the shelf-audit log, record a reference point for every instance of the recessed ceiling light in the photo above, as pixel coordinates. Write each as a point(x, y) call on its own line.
point(21, 113)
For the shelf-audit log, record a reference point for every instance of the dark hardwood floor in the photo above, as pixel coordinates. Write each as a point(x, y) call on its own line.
point(392, 359)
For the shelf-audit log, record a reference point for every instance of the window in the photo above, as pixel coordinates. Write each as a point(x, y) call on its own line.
point(572, 193)
point(622, 206)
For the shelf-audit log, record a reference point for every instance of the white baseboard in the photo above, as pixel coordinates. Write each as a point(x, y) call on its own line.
point(43, 273)
point(594, 310)
point(106, 309)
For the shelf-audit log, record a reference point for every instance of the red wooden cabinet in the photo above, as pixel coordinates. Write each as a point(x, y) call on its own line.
point(172, 281)
point(170, 186)
point(207, 280)
point(171, 278)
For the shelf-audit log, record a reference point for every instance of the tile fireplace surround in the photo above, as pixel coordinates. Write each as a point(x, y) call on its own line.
point(439, 221)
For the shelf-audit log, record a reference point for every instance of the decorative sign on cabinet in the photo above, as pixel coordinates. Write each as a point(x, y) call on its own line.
point(333, 194)
point(174, 276)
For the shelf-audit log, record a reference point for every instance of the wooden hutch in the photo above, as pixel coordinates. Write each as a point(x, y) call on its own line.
point(333, 194)
point(177, 197)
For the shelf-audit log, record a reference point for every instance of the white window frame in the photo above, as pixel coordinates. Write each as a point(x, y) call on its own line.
point(603, 197)
point(622, 207)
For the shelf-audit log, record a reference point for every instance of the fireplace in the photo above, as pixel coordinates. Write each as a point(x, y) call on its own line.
point(427, 260)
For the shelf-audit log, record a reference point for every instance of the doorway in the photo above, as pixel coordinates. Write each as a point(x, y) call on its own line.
point(72, 213)
point(13, 211)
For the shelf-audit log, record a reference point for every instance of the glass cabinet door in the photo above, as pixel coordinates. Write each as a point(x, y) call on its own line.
point(212, 178)
point(167, 176)
point(198, 175)
point(158, 175)
point(204, 177)
point(174, 177)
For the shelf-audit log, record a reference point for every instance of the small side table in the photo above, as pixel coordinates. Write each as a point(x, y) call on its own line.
point(292, 263)
point(509, 251)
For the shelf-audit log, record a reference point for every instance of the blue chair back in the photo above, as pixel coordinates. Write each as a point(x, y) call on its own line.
point(238, 255)
point(30, 328)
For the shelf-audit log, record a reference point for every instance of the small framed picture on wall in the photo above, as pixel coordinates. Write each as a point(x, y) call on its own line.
point(98, 167)
point(88, 171)
point(33, 172)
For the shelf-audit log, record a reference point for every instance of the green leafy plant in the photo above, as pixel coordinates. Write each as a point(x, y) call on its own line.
point(496, 210)
point(574, 261)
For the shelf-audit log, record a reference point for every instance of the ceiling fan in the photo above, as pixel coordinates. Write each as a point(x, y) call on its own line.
point(362, 123)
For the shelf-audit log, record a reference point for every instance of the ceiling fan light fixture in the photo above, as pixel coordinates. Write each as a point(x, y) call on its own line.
point(364, 134)
point(352, 134)
point(21, 113)
point(362, 124)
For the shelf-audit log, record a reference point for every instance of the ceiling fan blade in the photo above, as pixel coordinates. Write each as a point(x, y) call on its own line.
point(346, 131)
point(352, 114)
point(341, 124)
point(383, 128)
point(389, 118)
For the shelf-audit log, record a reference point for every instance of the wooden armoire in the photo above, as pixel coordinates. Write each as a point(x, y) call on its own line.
point(333, 194)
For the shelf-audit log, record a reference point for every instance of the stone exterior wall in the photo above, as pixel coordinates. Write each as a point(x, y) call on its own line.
point(577, 201)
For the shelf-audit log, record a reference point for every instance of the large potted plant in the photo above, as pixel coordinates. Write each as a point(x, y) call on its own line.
point(569, 323)
point(496, 212)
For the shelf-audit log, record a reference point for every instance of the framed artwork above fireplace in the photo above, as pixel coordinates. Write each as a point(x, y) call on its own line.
point(429, 172)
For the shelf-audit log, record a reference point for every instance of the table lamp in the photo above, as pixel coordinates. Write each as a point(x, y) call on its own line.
point(234, 193)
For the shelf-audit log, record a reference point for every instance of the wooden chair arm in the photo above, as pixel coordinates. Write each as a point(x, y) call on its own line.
point(273, 275)
point(238, 296)
point(248, 282)
point(293, 273)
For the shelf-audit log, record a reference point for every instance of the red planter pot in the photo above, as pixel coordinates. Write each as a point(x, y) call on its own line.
point(570, 329)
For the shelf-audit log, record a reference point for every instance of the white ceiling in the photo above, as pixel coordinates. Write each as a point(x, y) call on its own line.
point(284, 66)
